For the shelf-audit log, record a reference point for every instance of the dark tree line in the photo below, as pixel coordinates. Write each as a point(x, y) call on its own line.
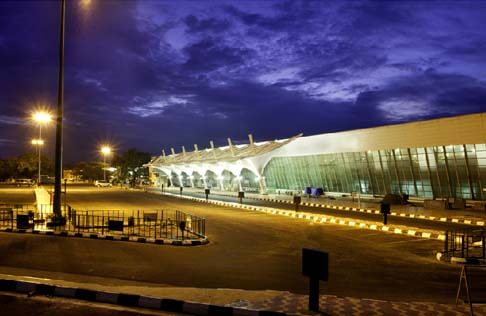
point(129, 167)
point(24, 166)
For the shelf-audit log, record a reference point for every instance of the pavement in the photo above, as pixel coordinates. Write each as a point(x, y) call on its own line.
point(413, 210)
point(319, 218)
point(203, 301)
point(21, 304)
point(254, 251)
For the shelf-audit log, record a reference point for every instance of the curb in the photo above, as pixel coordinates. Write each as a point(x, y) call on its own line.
point(447, 258)
point(155, 241)
point(371, 211)
point(323, 218)
point(131, 300)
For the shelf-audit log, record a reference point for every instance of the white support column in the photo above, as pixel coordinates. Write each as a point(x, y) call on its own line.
point(263, 184)
point(191, 177)
point(221, 181)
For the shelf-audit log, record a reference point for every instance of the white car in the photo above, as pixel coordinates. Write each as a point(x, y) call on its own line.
point(24, 182)
point(102, 183)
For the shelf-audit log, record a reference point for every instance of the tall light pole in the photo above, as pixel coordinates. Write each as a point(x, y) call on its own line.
point(41, 118)
point(105, 151)
point(37, 142)
point(59, 118)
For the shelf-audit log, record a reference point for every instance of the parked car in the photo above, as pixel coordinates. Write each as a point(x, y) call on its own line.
point(24, 182)
point(102, 183)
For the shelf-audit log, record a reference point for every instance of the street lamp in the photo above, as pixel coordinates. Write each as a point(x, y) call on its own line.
point(40, 118)
point(105, 151)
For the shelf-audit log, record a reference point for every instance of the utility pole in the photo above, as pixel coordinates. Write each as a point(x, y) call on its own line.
point(59, 119)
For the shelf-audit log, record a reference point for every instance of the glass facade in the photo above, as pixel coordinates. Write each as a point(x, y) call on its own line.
point(431, 172)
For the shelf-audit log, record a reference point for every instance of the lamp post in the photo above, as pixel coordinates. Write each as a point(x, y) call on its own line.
point(59, 118)
point(38, 143)
point(105, 151)
point(41, 118)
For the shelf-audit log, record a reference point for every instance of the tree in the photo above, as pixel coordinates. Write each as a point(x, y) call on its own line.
point(23, 166)
point(88, 170)
point(129, 165)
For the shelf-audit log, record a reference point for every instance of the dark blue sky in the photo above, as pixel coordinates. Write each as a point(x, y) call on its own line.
point(157, 74)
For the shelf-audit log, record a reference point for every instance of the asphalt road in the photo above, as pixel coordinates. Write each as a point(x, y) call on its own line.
point(392, 220)
point(247, 250)
point(13, 195)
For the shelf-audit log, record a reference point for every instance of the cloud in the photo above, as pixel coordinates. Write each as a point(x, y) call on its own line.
point(196, 24)
point(140, 70)
point(144, 108)
point(11, 120)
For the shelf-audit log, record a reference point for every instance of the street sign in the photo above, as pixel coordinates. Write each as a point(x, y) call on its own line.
point(315, 265)
point(385, 210)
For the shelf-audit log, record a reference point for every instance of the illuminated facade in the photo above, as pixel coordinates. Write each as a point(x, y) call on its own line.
point(427, 159)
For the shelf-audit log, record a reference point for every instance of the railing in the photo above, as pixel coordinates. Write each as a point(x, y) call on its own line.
point(24, 217)
point(153, 224)
point(150, 224)
point(465, 243)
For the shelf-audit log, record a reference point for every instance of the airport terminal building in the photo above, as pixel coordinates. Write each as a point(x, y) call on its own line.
point(437, 158)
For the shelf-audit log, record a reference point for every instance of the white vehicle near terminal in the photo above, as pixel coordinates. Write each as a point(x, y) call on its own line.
point(102, 183)
point(24, 182)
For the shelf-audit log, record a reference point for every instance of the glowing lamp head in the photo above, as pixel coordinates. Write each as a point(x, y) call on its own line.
point(42, 117)
point(105, 150)
point(37, 142)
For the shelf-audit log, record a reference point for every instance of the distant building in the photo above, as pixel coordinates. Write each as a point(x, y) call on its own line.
point(437, 158)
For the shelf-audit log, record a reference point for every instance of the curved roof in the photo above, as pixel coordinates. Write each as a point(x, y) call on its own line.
point(462, 129)
point(225, 153)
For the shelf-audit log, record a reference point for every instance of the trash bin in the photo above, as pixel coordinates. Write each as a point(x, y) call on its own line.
point(23, 221)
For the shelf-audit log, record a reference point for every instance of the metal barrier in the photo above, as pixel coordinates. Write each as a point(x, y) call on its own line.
point(465, 243)
point(149, 224)
point(23, 217)
point(152, 224)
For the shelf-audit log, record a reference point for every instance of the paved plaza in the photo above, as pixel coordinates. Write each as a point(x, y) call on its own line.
point(248, 250)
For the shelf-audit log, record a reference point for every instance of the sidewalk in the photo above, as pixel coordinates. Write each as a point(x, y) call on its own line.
point(467, 216)
point(203, 301)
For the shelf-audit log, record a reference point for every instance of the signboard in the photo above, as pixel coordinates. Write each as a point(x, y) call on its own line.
point(206, 191)
point(115, 225)
point(23, 221)
point(384, 208)
point(315, 264)
point(241, 194)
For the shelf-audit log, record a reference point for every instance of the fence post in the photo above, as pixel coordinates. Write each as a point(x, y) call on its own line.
point(482, 244)
point(462, 245)
point(446, 242)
